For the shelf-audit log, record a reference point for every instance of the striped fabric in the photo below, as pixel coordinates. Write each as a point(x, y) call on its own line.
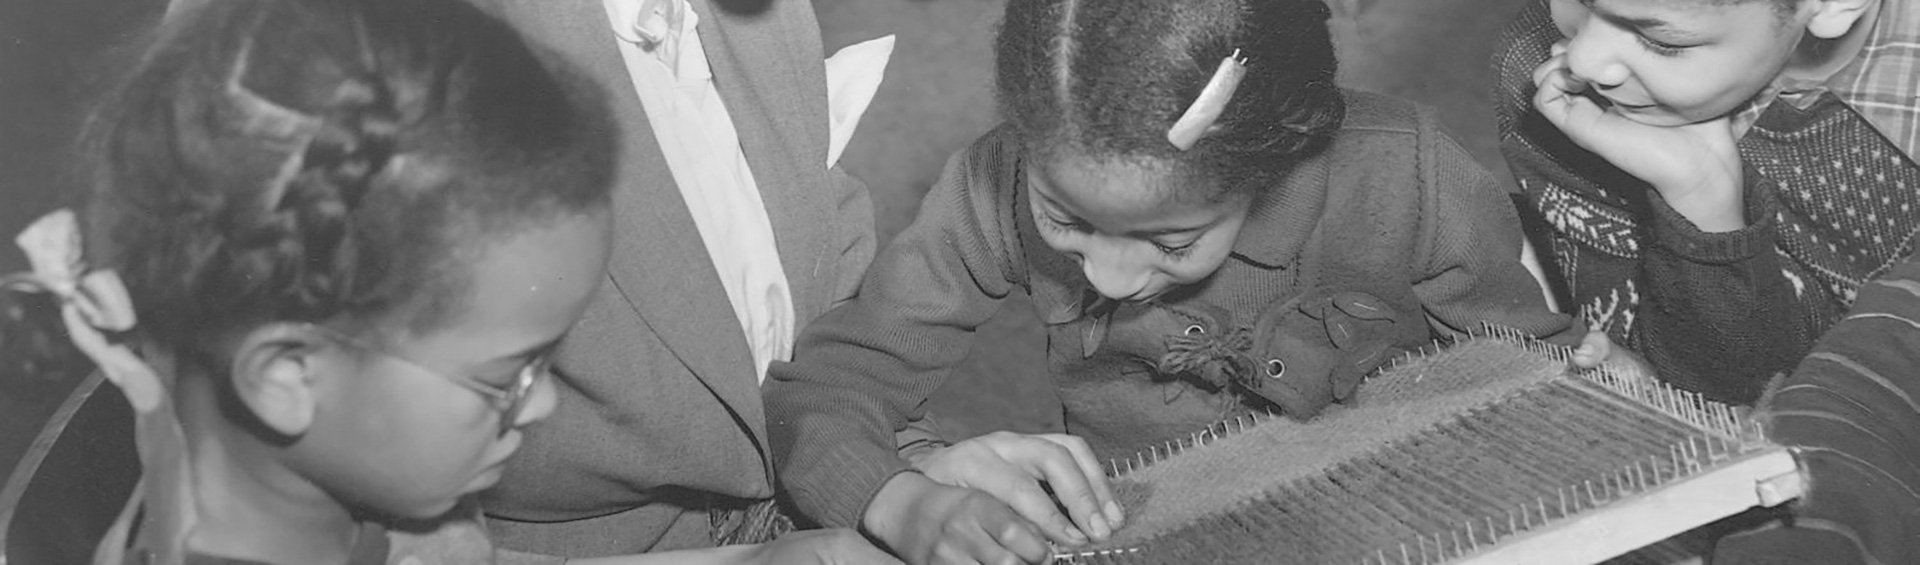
point(1852, 409)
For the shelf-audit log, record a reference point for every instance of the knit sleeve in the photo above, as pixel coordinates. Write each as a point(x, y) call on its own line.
point(1717, 316)
point(861, 371)
point(1852, 412)
point(1471, 238)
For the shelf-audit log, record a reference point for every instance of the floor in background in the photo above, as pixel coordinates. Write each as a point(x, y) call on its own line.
point(938, 96)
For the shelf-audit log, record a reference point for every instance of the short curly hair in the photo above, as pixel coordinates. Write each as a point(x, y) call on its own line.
point(1107, 78)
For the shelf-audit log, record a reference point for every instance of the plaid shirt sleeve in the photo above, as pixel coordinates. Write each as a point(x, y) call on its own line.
point(1883, 81)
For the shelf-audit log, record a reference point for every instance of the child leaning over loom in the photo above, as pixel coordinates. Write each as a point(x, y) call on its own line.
point(1716, 178)
point(332, 244)
point(1205, 223)
point(320, 263)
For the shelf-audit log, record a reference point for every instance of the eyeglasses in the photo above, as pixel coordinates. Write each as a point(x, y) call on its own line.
point(509, 401)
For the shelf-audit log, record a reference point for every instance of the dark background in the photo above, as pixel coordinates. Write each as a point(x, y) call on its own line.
point(55, 56)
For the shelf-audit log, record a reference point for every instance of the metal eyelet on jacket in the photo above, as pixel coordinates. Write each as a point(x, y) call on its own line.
point(1276, 368)
point(1196, 330)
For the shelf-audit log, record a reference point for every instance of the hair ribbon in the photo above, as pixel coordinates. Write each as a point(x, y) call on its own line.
point(92, 303)
point(1206, 109)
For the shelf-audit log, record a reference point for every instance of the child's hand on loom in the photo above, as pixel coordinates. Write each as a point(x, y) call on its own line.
point(1596, 348)
point(823, 547)
point(1020, 469)
point(1695, 167)
point(925, 522)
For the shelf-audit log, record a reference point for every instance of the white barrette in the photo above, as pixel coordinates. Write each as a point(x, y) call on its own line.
point(1213, 99)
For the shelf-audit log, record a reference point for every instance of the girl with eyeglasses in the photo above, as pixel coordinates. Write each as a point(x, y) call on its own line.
point(329, 247)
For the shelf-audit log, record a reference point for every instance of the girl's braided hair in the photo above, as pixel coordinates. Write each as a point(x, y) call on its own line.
point(1107, 78)
point(302, 160)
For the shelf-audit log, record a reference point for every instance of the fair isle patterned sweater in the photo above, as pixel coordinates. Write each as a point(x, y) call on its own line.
point(1830, 203)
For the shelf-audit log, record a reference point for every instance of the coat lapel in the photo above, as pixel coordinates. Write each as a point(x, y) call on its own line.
point(659, 263)
point(769, 64)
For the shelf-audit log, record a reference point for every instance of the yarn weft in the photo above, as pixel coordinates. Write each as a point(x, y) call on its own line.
point(1489, 450)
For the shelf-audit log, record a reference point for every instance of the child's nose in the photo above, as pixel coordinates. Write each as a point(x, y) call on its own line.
point(1591, 59)
point(1113, 275)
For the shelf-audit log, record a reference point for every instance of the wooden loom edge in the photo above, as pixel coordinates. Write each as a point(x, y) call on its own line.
point(1765, 478)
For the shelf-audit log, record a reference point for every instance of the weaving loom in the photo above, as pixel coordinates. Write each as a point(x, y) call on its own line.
point(1487, 451)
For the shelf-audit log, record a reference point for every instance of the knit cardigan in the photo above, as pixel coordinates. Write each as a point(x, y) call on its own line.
point(1392, 209)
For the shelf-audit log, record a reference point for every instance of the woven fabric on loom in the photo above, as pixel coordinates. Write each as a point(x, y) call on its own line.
point(1441, 454)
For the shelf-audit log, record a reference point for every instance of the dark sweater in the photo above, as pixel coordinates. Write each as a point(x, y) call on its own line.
point(1392, 209)
point(1830, 203)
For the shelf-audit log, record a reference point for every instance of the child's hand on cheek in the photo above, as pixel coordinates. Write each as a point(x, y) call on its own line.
point(1695, 167)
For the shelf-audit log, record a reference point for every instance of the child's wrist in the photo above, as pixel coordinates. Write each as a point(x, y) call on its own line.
point(888, 509)
point(1714, 203)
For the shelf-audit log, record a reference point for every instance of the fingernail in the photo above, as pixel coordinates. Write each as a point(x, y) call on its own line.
point(1114, 514)
point(1100, 528)
point(1074, 535)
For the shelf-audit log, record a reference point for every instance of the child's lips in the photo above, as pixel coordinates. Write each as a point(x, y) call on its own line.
point(1610, 102)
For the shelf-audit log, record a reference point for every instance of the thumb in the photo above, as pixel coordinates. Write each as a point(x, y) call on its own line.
point(1594, 348)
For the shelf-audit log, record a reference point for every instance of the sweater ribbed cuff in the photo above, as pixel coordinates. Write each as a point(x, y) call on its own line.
point(1678, 234)
point(844, 481)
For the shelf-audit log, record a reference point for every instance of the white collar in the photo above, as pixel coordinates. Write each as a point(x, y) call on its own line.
point(655, 26)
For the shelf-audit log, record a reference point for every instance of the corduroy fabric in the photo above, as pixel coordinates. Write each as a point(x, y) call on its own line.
point(1830, 203)
point(1852, 408)
point(1393, 209)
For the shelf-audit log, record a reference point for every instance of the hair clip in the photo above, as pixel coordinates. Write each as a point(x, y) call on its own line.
point(1213, 99)
point(277, 128)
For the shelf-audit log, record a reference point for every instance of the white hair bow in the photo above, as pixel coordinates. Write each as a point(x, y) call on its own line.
point(91, 302)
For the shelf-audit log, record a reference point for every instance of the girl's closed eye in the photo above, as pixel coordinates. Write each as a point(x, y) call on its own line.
point(1066, 226)
point(1174, 251)
point(1662, 48)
